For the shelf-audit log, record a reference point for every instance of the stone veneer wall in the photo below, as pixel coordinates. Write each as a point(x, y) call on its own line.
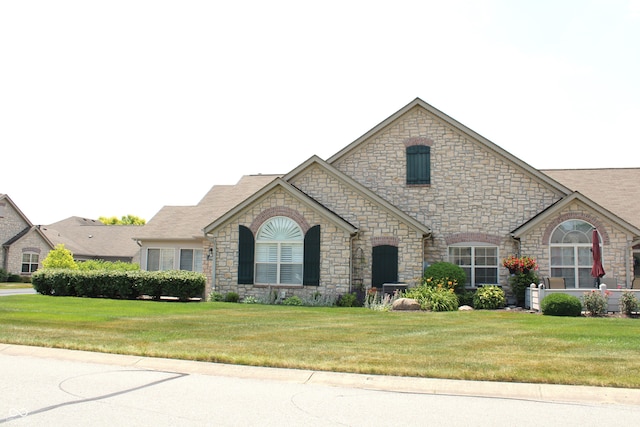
point(473, 189)
point(335, 253)
point(615, 248)
point(11, 224)
point(376, 225)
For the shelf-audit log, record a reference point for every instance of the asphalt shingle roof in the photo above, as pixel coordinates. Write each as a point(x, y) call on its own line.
point(187, 222)
point(615, 189)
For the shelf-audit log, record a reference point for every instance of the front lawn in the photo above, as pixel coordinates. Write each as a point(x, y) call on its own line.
point(478, 345)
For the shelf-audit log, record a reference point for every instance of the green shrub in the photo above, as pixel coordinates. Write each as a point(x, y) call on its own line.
point(14, 278)
point(595, 303)
point(348, 300)
point(466, 298)
point(489, 297)
point(216, 296)
point(99, 264)
point(231, 297)
point(446, 271)
point(119, 284)
point(293, 300)
point(250, 300)
point(59, 257)
point(628, 303)
point(519, 282)
point(3, 275)
point(433, 298)
point(558, 304)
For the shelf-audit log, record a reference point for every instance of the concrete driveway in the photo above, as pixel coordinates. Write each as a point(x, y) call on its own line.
point(52, 387)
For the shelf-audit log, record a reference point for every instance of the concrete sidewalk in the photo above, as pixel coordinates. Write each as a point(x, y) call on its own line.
point(520, 391)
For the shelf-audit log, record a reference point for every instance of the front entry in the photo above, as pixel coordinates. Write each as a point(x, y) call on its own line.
point(385, 265)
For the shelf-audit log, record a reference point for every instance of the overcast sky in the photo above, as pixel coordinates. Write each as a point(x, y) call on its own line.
point(110, 108)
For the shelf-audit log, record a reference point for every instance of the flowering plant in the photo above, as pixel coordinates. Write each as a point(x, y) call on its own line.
point(519, 264)
point(595, 303)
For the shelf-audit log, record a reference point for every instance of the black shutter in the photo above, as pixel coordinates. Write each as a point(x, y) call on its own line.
point(311, 267)
point(419, 164)
point(385, 265)
point(246, 249)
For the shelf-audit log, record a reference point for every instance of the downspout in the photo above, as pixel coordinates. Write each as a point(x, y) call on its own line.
point(352, 239)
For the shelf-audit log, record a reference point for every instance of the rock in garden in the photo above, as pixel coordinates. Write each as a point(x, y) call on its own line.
point(405, 304)
point(465, 308)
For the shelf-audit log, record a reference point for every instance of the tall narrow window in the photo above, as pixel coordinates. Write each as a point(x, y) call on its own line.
point(279, 252)
point(191, 259)
point(418, 164)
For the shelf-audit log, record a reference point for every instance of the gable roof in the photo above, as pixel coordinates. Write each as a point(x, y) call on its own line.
point(375, 198)
point(28, 225)
point(561, 204)
point(91, 238)
point(617, 189)
point(15, 207)
point(419, 103)
point(296, 193)
point(187, 222)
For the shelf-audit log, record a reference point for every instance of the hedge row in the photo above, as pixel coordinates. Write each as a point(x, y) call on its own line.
point(119, 284)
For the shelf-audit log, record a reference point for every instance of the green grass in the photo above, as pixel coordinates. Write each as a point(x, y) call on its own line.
point(15, 285)
point(478, 345)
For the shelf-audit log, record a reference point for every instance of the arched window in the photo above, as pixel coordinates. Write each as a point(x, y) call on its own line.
point(571, 253)
point(279, 252)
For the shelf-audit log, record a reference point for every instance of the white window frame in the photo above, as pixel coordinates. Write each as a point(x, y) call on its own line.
point(580, 264)
point(470, 269)
point(31, 262)
point(279, 245)
point(196, 260)
point(166, 259)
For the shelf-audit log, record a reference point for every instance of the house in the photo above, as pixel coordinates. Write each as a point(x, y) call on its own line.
point(91, 239)
point(24, 245)
point(173, 239)
point(416, 189)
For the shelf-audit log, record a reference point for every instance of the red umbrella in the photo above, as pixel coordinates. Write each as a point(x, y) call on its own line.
point(597, 270)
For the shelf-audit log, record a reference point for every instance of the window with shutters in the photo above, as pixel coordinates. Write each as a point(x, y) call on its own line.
point(418, 165)
point(279, 252)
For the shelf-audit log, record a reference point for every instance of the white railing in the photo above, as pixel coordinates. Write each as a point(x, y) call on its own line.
point(536, 294)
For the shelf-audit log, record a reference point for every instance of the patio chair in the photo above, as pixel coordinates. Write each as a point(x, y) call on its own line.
point(556, 283)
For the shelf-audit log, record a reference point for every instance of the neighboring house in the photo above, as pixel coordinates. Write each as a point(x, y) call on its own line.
point(91, 239)
point(173, 238)
point(24, 246)
point(416, 189)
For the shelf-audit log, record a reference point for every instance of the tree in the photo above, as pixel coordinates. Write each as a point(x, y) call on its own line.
point(59, 257)
point(125, 220)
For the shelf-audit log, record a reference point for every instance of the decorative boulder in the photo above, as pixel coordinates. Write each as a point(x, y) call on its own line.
point(465, 308)
point(405, 304)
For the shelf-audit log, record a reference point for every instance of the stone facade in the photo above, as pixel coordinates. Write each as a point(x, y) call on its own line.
point(478, 195)
point(18, 236)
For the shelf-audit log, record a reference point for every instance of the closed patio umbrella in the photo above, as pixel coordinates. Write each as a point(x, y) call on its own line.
point(597, 271)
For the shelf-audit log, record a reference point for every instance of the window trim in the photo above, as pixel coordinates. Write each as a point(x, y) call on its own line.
point(30, 263)
point(576, 266)
point(295, 241)
point(471, 281)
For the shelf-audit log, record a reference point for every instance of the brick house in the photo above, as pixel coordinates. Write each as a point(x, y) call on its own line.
point(416, 189)
point(24, 245)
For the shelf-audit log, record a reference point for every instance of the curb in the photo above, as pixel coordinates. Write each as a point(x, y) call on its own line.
point(502, 390)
